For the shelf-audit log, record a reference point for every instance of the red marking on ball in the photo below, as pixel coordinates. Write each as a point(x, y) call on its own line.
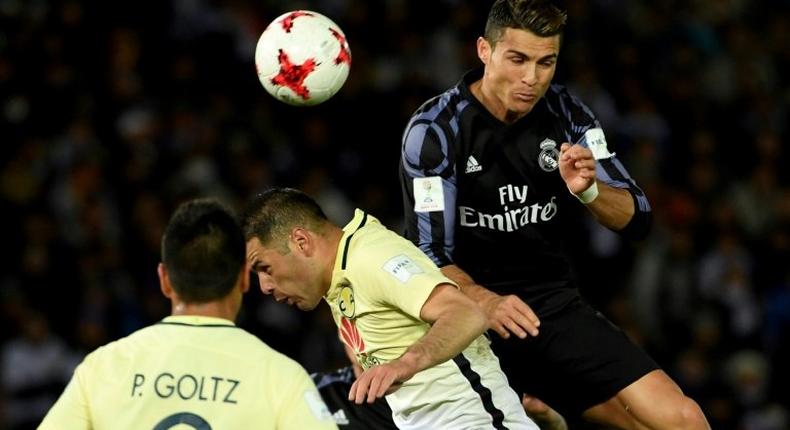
point(293, 75)
point(288, 21)
point(344, 56)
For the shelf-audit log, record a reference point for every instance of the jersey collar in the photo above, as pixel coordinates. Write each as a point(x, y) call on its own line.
point(360, 219)
point(197, 320)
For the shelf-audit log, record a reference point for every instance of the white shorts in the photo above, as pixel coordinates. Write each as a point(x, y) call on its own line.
point(468, 392)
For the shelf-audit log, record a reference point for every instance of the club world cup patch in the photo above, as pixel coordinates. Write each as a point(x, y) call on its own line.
point(402, 268)
point(345, 302)
point(428, 194)
point(549, 157)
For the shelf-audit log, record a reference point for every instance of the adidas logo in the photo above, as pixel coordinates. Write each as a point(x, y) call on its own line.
point(340, 417)
point(472, 165)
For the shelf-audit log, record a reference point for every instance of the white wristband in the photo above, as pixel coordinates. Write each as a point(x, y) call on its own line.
point(588, 195)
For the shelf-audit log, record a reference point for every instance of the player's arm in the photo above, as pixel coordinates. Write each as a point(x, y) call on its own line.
point(71, 410)
point(505, 314)
point(599, 179)
point(455, 322)
point(612, 207)
point(622, 208)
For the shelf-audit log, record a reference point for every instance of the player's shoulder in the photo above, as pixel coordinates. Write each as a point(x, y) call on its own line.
point(374, 242)
point(119, 353)
point(382, 251)
point(562, 103)
point(441, 108)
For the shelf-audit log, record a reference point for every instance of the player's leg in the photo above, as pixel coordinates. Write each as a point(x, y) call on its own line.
point(581, 363)
point(654, 401)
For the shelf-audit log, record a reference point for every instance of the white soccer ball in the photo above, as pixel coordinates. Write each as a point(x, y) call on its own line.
point(302, 58)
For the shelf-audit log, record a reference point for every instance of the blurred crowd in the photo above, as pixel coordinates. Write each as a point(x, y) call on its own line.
point(111, 113)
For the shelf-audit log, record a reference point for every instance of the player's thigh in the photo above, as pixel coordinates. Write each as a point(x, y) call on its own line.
point(579, 360)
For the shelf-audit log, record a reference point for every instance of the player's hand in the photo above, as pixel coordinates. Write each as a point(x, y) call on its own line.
point(509, 314)
point(577, 167)
point(377, 381)
point(542, 414)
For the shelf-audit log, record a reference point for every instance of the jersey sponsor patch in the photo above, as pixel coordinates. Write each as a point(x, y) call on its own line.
point(317, 405)
point(596, 141)
point(402, 268)
point(428, 194)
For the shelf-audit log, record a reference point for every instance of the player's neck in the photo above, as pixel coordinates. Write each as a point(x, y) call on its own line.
point(218, 309)
point(333, 237)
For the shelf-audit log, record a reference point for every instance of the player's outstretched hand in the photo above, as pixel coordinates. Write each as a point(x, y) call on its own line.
point(577, 167)
point(509, 314)
point(377, 381)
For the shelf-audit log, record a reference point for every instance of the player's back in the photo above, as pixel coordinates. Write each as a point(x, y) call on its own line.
point(203, 372)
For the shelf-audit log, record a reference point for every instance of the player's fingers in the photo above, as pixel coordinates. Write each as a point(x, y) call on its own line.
point(375, 386)
point(516, 329)
point(522, 309)
point(585, 164)
point(527, 327)
point(352, 392)
point(500, 329)
point(527, 312)
point(362, 388)
point(379, 391)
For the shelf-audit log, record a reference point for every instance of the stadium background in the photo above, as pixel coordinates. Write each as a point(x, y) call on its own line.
point(111, 113)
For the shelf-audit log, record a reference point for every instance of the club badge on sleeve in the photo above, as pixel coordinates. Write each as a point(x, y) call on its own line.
point(596, 141)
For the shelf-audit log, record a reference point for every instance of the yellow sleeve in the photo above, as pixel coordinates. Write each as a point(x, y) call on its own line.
point(71, 411)
point(301, 404)
point(397, 273)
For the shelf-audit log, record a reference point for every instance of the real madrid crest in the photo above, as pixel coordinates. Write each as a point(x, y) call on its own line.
point(549, 156)
point(345, 301)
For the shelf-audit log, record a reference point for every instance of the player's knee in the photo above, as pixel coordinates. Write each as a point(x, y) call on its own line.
point(689, 416)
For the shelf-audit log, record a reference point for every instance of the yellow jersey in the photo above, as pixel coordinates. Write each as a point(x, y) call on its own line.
point(380, 282)
point(191, 372)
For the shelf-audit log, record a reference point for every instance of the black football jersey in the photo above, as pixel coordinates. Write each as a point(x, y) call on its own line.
point(488, 196)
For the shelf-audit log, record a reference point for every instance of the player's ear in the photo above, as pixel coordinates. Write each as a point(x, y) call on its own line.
point(483, 50)
point(164, 281)
point(245, 277)
point(302, 241)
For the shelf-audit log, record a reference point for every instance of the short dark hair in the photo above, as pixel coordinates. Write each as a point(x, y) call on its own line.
point(203, 250)
point(271, 215)
point(540, 17)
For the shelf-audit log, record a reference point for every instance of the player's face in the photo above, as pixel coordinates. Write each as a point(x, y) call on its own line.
point(518, 70)
point(288, 277)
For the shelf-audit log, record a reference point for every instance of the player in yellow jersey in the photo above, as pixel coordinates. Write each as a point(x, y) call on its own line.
point(195, 369)
point(417, 337)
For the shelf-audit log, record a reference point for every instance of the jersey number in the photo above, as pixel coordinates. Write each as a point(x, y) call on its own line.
point(188, 418)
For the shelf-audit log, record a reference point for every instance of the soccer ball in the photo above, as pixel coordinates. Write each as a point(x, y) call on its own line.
point(302, 58)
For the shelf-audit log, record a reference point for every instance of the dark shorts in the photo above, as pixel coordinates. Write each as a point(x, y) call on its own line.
point(334, 388)
point(578, 360)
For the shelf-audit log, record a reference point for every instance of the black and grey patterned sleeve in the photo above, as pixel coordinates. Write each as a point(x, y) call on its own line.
point(582, 127)
point(425, 153)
